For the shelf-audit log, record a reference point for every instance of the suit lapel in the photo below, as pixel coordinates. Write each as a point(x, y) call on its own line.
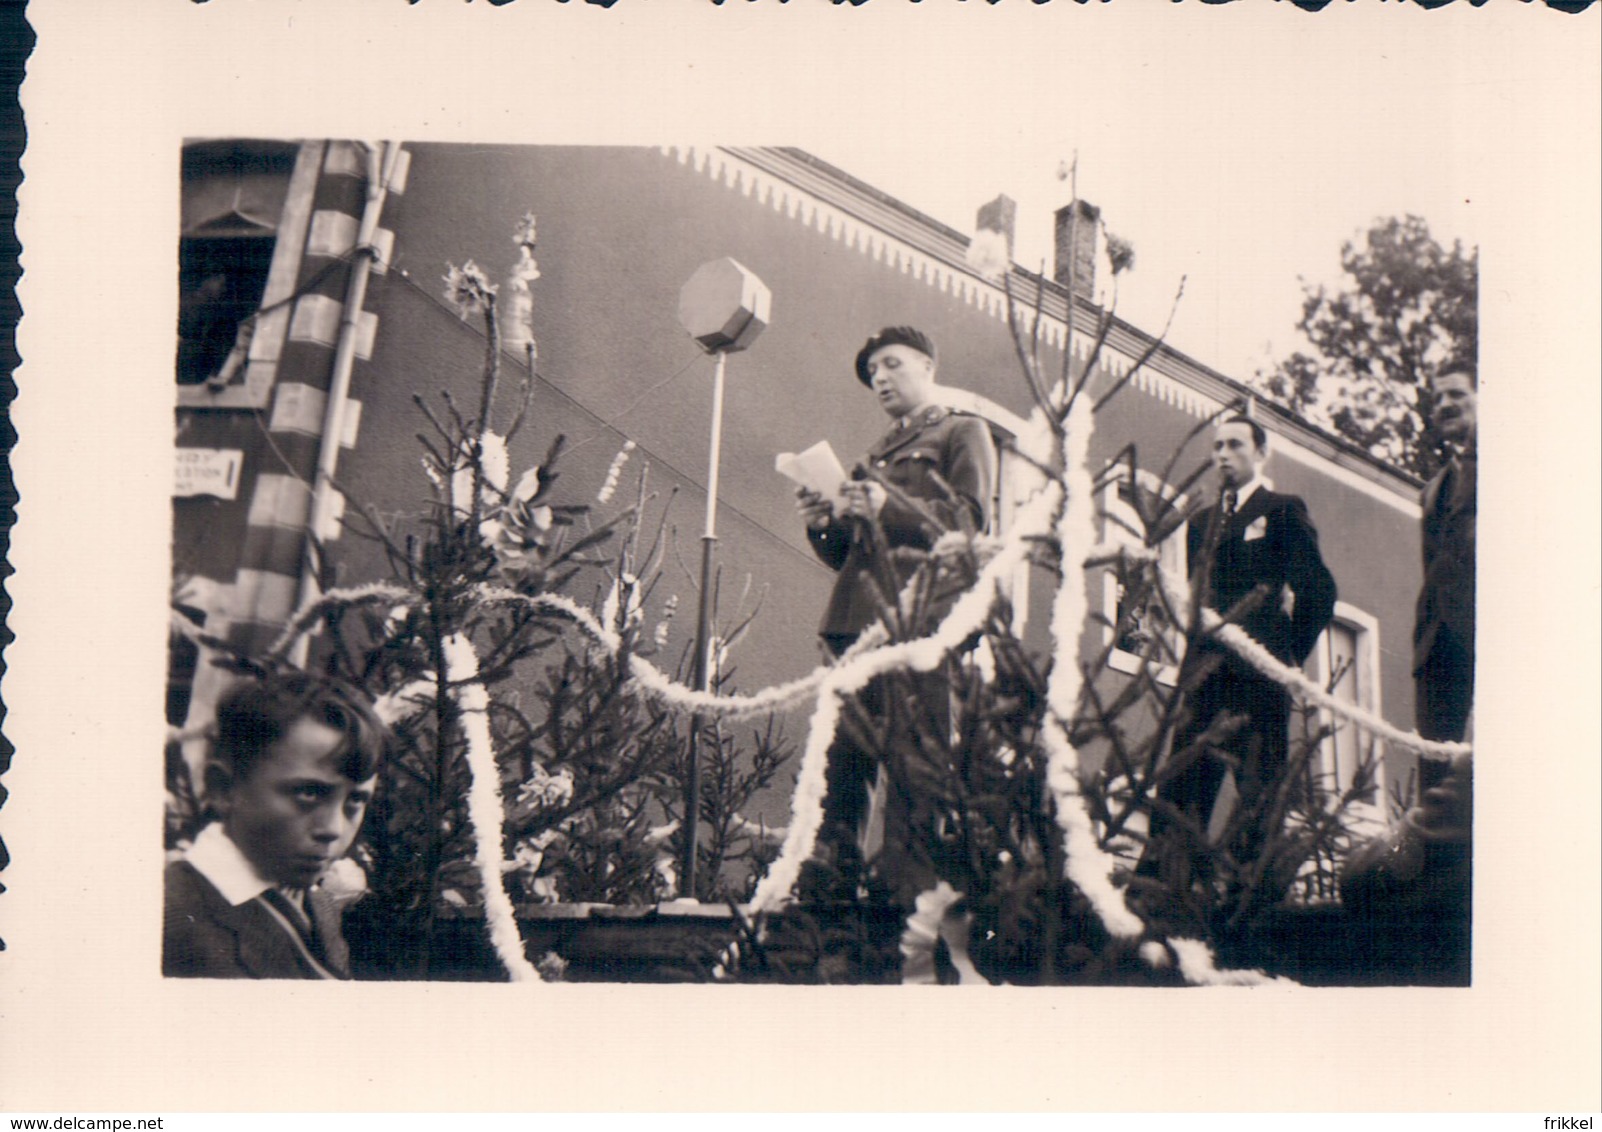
point(1255, 507)
point(1437, 489)
point(1464, 488)
point(263, 947)
point(1452, 488)
point(270, 947)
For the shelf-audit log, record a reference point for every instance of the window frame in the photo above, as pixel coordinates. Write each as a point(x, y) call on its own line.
point(251, 387)
point(1324, 764)
point(1110, 504)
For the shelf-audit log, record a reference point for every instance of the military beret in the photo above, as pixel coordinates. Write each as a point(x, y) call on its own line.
point(892, 336)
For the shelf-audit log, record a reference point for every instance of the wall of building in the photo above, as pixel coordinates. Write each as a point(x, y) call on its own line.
point(619, 231)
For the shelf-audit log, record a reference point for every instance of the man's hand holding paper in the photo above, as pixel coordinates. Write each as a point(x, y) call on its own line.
point(818, 470)
point(822, 480)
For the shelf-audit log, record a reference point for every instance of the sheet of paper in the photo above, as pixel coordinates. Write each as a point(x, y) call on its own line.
point(818, 469)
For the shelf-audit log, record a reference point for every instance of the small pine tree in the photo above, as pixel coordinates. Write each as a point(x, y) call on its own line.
point(977, 811)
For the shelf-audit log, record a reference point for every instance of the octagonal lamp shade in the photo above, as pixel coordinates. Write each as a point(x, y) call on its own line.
point(724, 306)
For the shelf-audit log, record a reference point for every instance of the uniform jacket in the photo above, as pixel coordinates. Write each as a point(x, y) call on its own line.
point(1270, 541)
point(1445, 615)
point(935, 441)
point(204, 936)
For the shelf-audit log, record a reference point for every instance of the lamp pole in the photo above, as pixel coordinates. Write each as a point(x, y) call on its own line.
point(701, 661)
point(724, 307)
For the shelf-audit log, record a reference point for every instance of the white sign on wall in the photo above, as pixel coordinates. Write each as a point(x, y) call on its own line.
point(207, 471)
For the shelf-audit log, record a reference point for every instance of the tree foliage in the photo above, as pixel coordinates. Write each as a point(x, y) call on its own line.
point(1406, 307)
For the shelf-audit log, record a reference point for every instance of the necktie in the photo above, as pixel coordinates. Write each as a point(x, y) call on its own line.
point(1229, 504)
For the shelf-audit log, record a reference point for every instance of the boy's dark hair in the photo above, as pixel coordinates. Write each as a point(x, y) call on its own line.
point(259, 710)
point(1259, 434)
point(1461, 369)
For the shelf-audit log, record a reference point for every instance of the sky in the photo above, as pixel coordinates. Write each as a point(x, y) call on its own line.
point(1241, 196)
point(1241, 239)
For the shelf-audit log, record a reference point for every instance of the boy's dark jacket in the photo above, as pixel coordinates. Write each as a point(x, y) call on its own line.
point(205, 937)
point(1269, 542)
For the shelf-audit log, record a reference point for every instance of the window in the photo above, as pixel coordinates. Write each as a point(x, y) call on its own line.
point(1135, 508)
point(243, 217)
point(233, 195)
point(1345, 661)
point(220, 283)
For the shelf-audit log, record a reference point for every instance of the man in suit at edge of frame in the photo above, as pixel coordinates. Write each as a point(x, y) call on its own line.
point(1443, 629)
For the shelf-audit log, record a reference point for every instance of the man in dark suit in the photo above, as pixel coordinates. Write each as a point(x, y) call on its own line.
point(291, 774)
point(1253, 557)
point(933, 472)
point(1443, 630)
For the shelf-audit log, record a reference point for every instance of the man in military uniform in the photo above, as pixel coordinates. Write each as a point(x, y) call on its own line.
point(933, 472)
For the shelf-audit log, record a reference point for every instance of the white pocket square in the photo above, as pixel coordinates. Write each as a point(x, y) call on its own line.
point(1256, 529)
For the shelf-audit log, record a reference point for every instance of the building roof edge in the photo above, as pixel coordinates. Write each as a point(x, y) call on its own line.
point(874, 206)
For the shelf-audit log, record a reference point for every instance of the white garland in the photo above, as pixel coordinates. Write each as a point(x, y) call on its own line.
point(350, 595)
point(932, 920)
point(614, 472)
point(484, 806)
point(966, 616)
point(653, 681)
point(1086, 863)
point(1271, 666)
point(658, 684)
point(806, 804)
point(1196, 963)
point(1249, 649)
point(1088, 866)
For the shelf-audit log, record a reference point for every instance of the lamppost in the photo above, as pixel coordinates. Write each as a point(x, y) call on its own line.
point(724, 307)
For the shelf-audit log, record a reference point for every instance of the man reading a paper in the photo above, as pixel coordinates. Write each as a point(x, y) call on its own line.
point(933, 472)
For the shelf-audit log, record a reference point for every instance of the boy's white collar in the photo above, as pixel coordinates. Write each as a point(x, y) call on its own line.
point(215, 856)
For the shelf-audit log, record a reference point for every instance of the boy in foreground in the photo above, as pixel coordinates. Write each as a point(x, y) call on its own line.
point(289, 781)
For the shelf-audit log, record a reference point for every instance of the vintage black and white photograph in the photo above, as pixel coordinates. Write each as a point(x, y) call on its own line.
point(664, 564)
point(568, 525)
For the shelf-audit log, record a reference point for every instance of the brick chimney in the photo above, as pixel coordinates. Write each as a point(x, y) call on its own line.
point(1077, 226)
